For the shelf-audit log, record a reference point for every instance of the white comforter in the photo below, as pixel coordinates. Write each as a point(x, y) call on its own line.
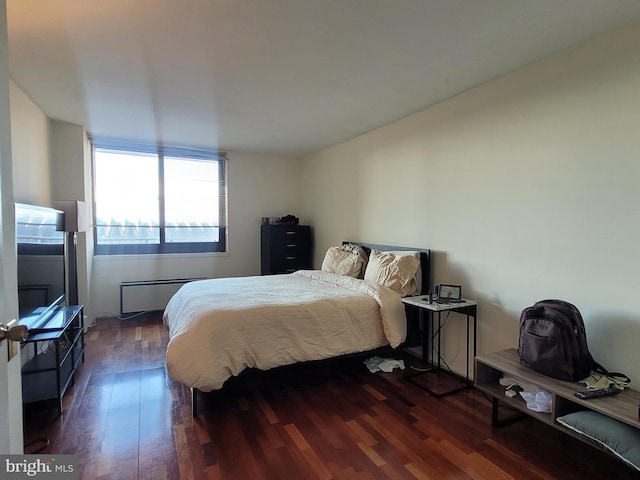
point(219, 327)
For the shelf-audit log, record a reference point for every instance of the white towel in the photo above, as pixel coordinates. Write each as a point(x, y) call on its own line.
point(538, 401)
point(376, 364)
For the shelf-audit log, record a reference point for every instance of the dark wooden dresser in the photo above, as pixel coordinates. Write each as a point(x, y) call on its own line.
point(285, 248)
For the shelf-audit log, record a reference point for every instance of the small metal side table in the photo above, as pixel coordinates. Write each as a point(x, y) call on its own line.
point(432, 336)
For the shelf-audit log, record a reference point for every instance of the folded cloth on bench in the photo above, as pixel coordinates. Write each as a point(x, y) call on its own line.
point(597, 381)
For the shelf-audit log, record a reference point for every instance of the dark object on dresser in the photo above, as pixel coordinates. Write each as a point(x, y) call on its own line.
point(285, 248)
point(289, 220)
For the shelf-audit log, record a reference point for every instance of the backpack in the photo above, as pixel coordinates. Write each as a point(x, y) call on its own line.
point(553, 341)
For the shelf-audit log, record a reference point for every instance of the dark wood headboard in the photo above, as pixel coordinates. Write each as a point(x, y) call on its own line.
point(425, 259)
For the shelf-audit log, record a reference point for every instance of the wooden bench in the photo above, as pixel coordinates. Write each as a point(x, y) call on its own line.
point(623, 407)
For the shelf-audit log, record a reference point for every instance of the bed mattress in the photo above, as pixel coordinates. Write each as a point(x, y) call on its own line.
point(219, 327)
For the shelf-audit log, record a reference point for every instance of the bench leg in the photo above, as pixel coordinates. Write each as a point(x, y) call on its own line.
point(496, 421)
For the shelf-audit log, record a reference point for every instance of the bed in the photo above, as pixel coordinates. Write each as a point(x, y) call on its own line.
point(220, 327)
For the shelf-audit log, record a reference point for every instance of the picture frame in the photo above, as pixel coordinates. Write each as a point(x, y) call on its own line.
point(450, 292)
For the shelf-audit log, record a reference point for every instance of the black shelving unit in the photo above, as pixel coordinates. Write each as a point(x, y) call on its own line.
point(48, 374)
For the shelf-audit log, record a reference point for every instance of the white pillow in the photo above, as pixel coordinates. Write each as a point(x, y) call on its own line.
point(418, 276)
point(394, 272)
point(347, 260)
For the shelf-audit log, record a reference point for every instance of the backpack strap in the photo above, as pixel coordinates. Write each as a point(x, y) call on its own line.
point(616, 377)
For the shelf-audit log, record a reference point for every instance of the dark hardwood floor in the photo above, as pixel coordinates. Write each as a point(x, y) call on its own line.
point(125, 419)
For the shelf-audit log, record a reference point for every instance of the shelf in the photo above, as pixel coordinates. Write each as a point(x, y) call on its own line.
point(490, 368)
point(487, 382)
point(43, 385)
point(40, 363)
point(622, 407)
point(46, 377)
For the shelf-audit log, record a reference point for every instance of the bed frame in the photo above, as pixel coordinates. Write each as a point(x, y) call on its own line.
point(425, 262)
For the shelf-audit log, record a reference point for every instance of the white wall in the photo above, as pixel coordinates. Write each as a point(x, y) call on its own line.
point(258, 186)
point(525, 188)
point(30, 145)
point(71, 179)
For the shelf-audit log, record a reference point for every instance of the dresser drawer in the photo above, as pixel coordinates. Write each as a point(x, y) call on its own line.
point(287, 234)
point(285, 248)
point(290, 251)
point(286, 265)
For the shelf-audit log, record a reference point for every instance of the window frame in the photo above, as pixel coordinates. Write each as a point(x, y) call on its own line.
point(162, 247)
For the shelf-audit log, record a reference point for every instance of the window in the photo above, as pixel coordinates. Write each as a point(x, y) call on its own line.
point(152, 199)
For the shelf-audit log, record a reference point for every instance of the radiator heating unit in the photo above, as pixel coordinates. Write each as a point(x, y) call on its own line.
point(149, 295)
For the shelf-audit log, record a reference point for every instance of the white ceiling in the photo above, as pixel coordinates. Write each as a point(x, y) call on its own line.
point(276, 76)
